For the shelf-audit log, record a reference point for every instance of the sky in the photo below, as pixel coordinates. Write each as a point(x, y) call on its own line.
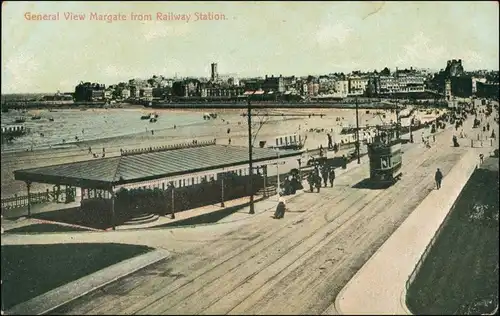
point(254, 39)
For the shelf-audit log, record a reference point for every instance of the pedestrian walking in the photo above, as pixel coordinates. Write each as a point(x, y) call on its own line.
point(481, 158)
point(324, 175)
point(330, 142)
point(439, 178)
point(331, 176)
point(90, 150)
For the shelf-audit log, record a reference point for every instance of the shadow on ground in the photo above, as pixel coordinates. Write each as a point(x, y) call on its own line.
point(368, 184)
point(209, 218)
point(31, 270)
point(45, 228)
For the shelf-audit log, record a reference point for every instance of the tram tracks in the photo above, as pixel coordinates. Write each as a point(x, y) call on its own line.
point(317, 231)
point(241, 273)
point(305, 263)
point(328, 262)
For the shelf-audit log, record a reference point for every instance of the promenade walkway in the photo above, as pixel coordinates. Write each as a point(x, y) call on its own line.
point(379, 287)
point(296, 265)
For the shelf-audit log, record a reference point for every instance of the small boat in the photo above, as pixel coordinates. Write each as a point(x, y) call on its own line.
point(36, 117)
point(51, 119)
point(20, 120)
point(146, 117)
point(152, 120)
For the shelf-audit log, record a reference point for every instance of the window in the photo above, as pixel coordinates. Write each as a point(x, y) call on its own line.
point(384, 162)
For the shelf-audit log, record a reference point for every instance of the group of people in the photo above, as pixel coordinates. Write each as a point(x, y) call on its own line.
point(314, 179)
point(95, 155)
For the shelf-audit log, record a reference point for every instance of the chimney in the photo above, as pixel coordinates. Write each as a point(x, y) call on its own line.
point(266, 76)
point(281, 76)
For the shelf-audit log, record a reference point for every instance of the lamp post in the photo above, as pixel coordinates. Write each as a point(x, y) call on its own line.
point(397, 119)
point(357, 131)
point(278, 174)
point(411, 135)
point(250, 158)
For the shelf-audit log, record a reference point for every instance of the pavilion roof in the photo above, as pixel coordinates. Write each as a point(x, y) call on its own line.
point(148, 164)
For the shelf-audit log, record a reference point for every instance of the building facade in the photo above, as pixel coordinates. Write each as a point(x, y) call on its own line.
point(275, 84)
point(357, 85)
point(405, 82)
point(342, 88)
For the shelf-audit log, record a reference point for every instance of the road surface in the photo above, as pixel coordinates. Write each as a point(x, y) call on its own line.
point(296, 265)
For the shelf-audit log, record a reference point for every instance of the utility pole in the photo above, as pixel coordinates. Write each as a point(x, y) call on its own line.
point(357, 131)
point(397, 120)
point(278, 175)
point(250, 158)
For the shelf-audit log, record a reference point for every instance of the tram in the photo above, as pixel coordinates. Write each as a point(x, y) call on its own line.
point(385, 154)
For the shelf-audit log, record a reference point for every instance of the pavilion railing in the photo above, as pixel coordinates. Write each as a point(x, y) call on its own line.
point(192, 144)
point(22, 200)
point(18, 201)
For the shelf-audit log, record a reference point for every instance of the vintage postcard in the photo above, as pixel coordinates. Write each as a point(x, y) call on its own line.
point(305, 158)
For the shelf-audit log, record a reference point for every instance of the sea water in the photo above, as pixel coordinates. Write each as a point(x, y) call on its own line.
point(87, 125)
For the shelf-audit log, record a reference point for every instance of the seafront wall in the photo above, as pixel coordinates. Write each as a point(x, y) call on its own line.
point(379, 287)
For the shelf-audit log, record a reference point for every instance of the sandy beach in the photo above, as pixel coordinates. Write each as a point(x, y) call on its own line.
point(230, 124)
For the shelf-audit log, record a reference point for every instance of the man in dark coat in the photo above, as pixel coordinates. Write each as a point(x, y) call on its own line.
point(324, 174)
point(310, 181)
point(331, 176)
point(317, 181)
point(438, 177)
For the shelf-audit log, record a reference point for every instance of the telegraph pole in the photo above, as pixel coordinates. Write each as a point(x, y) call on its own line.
point(397, 119)
point(250, 158)
point(357, 131)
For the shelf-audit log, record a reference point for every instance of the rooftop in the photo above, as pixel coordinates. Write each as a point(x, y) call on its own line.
point(149, 164)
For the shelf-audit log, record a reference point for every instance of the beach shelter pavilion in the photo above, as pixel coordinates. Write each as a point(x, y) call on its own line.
point(154, 167)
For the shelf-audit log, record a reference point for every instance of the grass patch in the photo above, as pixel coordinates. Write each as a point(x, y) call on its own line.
point(45, 228)
point(31, 270)
point(460, 273)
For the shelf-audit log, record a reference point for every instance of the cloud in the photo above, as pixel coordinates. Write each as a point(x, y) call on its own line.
point(345, 66)
point(20, 69)
point(333, 35)
point(472, 59)
point(419, 51)
point(156, 30)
